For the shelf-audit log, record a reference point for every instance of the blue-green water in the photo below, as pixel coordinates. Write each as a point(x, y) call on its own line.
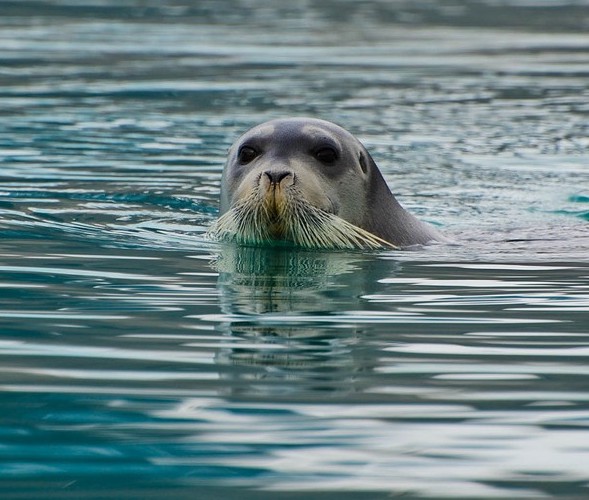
point(139, 360)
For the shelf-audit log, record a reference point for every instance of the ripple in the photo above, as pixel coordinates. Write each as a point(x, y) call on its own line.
point(16, 348)
point(349, 318)
point(461, 350)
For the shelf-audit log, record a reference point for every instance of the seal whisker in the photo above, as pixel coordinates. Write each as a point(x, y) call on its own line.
point(307, 226)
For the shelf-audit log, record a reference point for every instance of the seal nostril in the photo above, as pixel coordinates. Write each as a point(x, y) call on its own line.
point(275, 176)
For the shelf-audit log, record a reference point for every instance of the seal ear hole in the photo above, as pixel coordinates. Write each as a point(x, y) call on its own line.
point(363, 163)
point(246, 154)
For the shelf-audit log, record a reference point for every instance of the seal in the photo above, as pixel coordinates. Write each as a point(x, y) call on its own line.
point(310, 183)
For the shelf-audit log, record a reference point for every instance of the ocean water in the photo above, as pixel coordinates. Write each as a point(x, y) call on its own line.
point(140, 360)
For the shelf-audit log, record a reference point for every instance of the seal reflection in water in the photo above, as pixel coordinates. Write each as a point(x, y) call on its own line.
point(310, 183)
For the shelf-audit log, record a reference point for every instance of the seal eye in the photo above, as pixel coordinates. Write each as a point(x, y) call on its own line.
point(246, 155)
point(326, 155)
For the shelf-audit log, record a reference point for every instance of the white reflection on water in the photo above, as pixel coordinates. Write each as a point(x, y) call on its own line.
point(462, 350)
point(352, 319)
point(377, 447)
point(17, 348)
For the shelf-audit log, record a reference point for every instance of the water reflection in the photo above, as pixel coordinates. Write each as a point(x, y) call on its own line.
point(274, 300)
point(257, 280)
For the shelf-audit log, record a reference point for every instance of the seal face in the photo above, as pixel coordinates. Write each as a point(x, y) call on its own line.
point(310, 183)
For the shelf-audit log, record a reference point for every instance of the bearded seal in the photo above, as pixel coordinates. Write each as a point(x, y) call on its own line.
point(310, 183)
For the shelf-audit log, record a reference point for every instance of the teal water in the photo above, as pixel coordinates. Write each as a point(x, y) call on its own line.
point(140, 360)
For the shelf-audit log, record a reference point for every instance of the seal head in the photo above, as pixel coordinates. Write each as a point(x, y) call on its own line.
point(310, 183)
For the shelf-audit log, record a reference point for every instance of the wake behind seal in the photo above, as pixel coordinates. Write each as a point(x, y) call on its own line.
point(310, 183)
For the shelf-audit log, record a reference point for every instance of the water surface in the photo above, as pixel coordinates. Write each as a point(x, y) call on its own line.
point(140, 360)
